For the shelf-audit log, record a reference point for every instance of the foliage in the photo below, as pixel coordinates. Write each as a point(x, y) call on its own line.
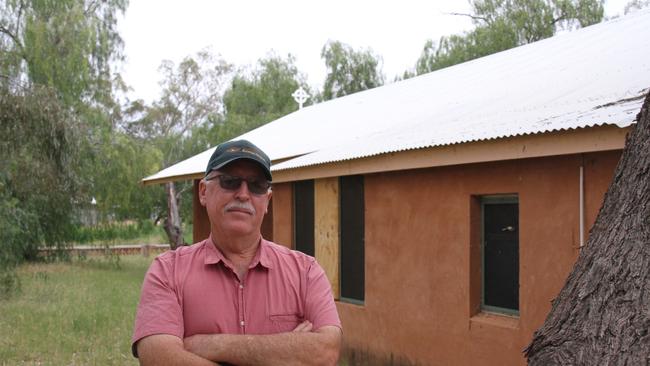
point(191, 95)
point(111, 232)
point(67, 45)
point(260, 97)
point(349, 71)
point(125, 160)
point(504, 24)
point(9, 283)
point(39, 176)
point(56, 109)
point(635, 5)
point(71, 47)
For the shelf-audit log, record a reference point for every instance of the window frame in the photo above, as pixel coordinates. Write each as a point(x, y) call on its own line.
point(295, 234)
point(498, 199)
point(342, 208)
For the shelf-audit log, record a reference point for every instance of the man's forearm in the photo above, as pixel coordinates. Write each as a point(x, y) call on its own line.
point(163, 349)
point(293, 348)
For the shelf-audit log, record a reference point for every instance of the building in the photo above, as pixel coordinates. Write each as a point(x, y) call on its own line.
point(448, 209)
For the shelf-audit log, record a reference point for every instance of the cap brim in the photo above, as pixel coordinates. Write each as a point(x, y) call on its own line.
point(266, 171)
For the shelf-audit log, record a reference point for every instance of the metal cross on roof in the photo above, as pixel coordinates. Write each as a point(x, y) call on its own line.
point(300, 96)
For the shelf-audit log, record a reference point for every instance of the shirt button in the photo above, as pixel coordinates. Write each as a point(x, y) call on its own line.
point(241, 286)
point(241, 323)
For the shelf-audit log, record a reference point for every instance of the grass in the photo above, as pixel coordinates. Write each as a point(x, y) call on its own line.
point(78, 313)
point(157, 237)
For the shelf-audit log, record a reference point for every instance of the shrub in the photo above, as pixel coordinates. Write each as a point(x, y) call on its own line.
point(127, 230)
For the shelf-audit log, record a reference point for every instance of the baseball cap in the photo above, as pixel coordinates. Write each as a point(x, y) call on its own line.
point(230, 151)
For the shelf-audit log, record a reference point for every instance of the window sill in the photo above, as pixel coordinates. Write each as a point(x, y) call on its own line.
point(354, 303)
point(495, 320)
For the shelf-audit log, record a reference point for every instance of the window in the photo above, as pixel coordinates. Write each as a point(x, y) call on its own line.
point(352, 238)
point(500, 254)
point(303, 216)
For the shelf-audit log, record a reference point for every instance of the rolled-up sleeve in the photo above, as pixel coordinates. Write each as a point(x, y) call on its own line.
point(320, 308)
point(159, 310)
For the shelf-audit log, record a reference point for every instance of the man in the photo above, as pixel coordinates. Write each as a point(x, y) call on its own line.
point(236, 298)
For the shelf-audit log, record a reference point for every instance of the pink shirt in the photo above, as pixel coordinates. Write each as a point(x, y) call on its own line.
point(194, 290)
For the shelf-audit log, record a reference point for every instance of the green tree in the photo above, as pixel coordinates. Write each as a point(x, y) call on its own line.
point(125, 160)
point(56, 86)
point(504, 24)
point(349, 71)
point(191, 96)
point(68, 45)
point(255, 98)
point(39, 175)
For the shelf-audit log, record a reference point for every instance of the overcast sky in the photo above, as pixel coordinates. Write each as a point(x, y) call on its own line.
point(243, 31)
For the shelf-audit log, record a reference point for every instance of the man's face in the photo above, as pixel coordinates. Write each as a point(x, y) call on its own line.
point(237, 212)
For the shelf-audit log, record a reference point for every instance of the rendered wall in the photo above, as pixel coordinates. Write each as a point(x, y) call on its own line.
point(421, 229)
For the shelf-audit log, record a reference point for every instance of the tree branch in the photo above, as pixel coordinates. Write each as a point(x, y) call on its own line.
point(12, 36)
point(474, 17)
point(20, 14)
point(561, 17)
point(92, 6)
point(184, 189)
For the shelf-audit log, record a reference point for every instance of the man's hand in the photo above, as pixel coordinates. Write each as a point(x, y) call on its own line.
point(303, 327)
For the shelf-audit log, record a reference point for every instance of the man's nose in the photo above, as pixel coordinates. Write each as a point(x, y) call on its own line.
point(243, 190)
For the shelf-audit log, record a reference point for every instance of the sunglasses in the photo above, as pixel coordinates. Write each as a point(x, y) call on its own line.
point(232, 183)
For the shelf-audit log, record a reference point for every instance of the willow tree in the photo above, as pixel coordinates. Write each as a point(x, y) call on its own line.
point(504, 24)
point(349, 71)
point(602, 315)
point(56, 105)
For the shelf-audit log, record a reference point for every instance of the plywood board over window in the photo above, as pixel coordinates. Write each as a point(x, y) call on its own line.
point(326, 230)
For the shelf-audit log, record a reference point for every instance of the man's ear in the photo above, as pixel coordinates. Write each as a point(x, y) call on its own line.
point(202, 189)
point(268, 200)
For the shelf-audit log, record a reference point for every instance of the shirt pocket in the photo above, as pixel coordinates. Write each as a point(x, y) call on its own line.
point(285, 322)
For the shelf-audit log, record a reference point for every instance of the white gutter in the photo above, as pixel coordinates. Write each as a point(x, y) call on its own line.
point(582, 204)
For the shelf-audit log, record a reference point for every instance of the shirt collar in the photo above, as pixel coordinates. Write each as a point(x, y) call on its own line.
point(264, 254)
point(214, 255)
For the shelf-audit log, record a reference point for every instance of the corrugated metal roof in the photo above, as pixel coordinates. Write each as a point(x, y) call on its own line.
point(593, 76)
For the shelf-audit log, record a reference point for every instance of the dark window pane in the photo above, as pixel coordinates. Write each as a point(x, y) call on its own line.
point(303, 216)
point(352, 238)
point(501, 255)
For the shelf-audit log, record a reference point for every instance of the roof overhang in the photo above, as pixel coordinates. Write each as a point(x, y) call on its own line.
point(578, 141)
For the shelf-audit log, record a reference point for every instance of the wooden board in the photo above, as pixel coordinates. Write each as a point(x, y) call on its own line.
point(326, 228)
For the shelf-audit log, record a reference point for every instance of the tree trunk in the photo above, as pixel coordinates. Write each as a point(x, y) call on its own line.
point(173, 221)
point(602, 315)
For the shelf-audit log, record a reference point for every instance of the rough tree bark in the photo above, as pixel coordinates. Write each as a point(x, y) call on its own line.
point(172, 225)
point(602, 315)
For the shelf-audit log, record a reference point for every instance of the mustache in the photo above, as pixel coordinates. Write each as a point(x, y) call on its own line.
point(246, 206)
